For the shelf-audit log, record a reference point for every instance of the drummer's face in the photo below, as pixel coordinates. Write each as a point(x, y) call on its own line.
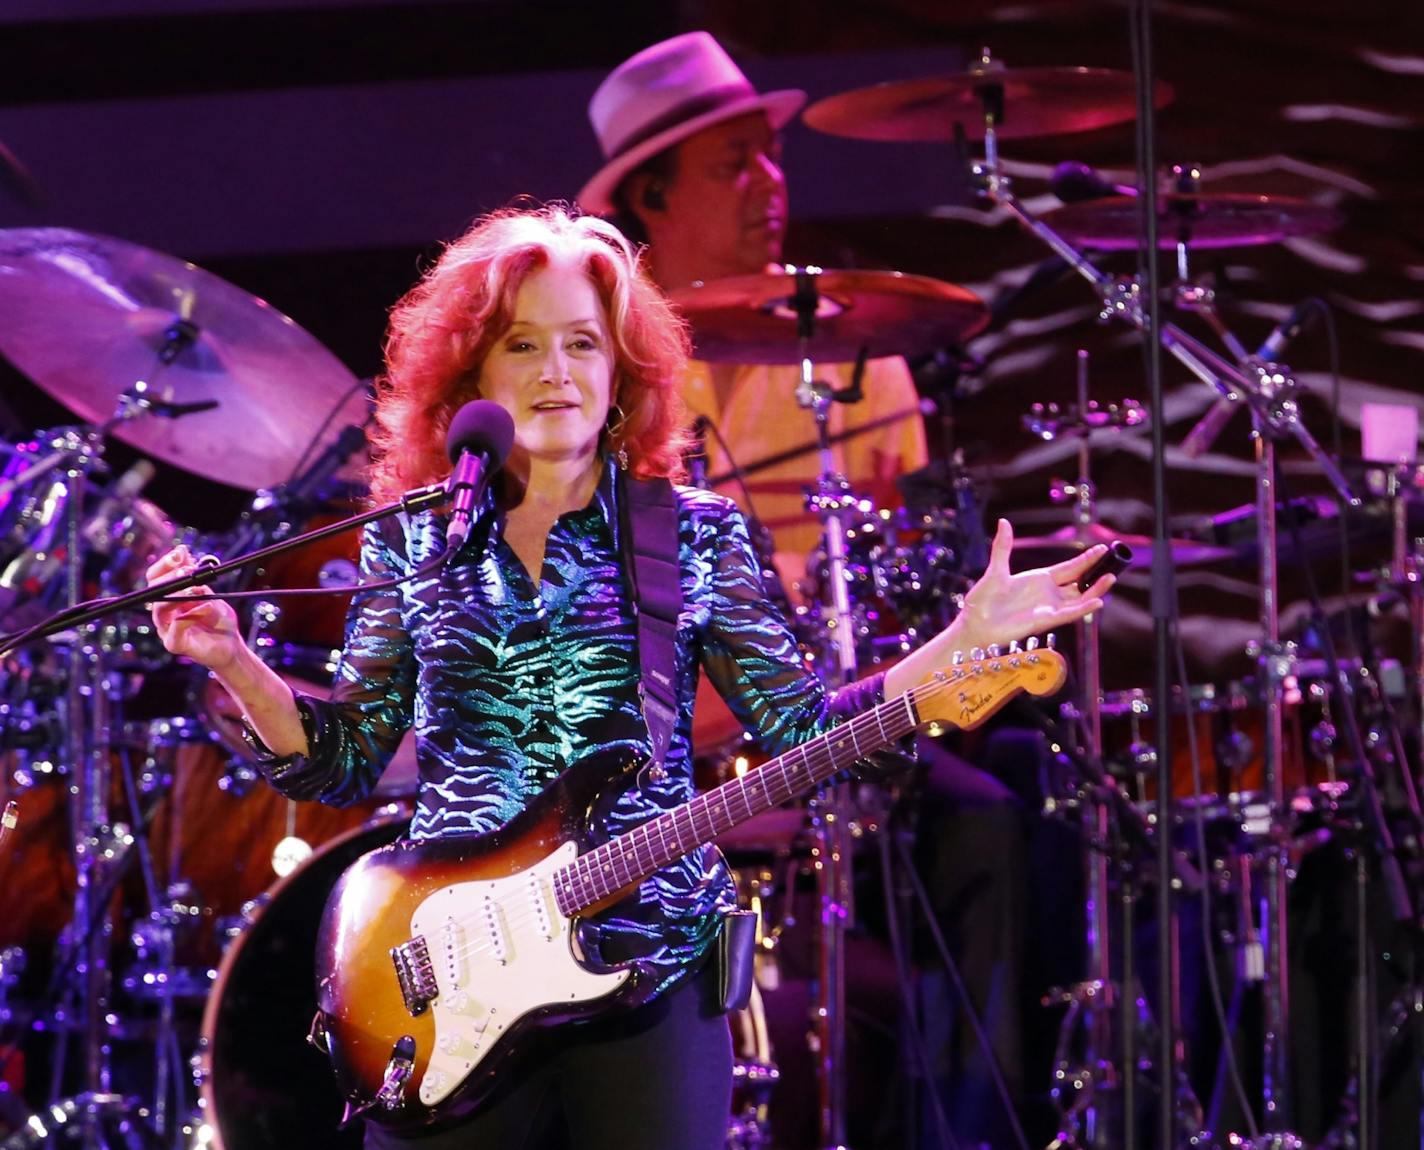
point(726, 199)
point(552, 369)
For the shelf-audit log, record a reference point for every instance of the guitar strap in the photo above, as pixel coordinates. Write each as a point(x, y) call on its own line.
point(648, 515)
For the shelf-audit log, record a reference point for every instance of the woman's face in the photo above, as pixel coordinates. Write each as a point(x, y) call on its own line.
point(552, 369)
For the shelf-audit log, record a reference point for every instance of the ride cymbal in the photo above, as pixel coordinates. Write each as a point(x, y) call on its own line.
point(757, 318)
point(1198, 219)
point(1025, 101)
point(87, 316)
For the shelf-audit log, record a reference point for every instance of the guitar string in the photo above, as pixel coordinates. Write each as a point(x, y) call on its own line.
point(817, 753)
point(821, 748)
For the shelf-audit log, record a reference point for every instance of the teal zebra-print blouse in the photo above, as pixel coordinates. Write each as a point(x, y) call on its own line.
point(508, 684)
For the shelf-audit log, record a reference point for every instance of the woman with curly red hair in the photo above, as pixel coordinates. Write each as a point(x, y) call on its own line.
point(516, 656)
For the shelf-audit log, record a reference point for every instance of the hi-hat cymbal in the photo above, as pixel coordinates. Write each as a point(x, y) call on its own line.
point(1073, 540)
point(754, 319)
point(85, 317)
point(1198, 219)
point(1031, 102)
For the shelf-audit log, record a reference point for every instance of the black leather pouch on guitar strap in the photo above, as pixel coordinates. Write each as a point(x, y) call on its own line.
point(735, 956)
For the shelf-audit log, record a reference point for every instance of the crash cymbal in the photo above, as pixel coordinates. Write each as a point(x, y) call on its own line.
point(754, 319)
point(1199, 219)
point(1034, 102)
point(85, 317)
point(1071, 540)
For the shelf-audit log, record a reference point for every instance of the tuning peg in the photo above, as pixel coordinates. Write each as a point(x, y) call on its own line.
point(976, 654)
point(957, 659)
point(1031, 643)
point(1013, 646)
point(1052, 640)
point(995, 650)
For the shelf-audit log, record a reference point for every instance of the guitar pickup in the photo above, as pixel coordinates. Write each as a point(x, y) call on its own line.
point(416, 975)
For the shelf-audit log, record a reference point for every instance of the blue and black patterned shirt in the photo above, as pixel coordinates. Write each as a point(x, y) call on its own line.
point(508, 684)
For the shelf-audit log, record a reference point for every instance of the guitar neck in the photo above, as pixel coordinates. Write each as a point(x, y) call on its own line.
point(628, 859)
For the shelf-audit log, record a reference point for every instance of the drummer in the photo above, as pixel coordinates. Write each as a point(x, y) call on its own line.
point(693, 170)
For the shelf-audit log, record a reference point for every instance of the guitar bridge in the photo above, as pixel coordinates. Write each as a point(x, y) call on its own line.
point(416, 975)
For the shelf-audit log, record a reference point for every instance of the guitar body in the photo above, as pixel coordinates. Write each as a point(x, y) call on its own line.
point(474, 927)
point(440, 959)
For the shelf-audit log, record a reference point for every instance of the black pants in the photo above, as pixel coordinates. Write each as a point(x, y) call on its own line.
point(659, 1078)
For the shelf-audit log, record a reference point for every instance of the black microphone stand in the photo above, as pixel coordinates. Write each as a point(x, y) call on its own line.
point(210, 571)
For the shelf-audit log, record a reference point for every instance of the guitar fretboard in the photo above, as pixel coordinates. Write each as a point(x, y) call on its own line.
point(630, 858)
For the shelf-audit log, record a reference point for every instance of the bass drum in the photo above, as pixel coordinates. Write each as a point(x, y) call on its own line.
point(264, 1087)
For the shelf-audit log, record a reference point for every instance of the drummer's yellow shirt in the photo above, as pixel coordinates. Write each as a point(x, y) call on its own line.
point(761, 419)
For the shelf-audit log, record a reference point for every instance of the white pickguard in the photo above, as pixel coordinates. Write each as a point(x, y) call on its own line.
point(499, 949)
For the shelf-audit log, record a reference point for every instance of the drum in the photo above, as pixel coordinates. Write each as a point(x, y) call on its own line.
point(1228, 725)
point(263, 1086)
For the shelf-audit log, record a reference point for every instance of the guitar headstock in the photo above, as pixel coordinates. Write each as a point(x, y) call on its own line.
point(973, 688)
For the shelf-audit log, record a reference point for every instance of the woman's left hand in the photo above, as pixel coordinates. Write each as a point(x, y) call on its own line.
point(1002, 606)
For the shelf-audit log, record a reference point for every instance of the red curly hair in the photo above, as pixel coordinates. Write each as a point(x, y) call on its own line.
point(442, 329)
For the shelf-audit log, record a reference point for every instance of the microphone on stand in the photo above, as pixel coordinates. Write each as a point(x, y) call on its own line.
point(332, 458)
point(97, 530)
point(1203, 435)
point(478, 443)
point(1074, 182)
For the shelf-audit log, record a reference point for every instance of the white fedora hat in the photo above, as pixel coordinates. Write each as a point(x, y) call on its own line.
point(662, 96)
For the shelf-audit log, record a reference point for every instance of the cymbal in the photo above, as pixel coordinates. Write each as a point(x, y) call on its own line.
point(752, 319)
point(1201, 220)
point(1073, 539)
point(1036, 102)
point(85, 317)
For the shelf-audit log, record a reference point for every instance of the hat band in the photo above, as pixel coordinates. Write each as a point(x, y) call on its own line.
point(687, 110)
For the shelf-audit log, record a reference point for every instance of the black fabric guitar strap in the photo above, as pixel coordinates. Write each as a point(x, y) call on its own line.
point(648, 517)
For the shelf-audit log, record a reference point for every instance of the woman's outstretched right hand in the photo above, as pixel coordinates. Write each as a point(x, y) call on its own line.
point(205, 630)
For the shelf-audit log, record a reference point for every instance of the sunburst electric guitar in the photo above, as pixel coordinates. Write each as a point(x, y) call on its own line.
point(438, 961)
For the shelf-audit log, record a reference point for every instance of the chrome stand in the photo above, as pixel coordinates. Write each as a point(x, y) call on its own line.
point(831, 809)
point(1268, 390)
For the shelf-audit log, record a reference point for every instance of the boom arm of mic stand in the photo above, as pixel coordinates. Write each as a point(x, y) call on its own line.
point(86, 612)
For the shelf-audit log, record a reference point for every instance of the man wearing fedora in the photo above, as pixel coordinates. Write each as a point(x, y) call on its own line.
point(693, 170)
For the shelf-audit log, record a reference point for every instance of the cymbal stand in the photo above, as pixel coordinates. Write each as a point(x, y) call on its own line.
point(831, 809)
point(1270, 393)
point(1094, 1094)
point(101, 845)
point(1096, 997)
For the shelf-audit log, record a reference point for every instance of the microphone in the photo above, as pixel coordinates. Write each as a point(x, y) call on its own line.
point(1285, 331)
point(478, 443)
point(333, 456)
point(1204, 434)
point(1074, 182)
point(98, 528)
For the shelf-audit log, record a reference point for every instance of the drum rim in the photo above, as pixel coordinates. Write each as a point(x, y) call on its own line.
point(212, 1007)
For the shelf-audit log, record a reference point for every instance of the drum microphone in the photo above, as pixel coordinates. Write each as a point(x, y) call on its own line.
point(332, 458)
point(1115, 561)
point(478, 443)
point(1074, 182)
point(97, 529)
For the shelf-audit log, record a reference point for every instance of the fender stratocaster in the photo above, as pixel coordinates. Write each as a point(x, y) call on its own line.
point(437, 959)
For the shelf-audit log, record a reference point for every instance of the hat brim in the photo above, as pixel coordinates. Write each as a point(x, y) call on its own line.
point(597, 195)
